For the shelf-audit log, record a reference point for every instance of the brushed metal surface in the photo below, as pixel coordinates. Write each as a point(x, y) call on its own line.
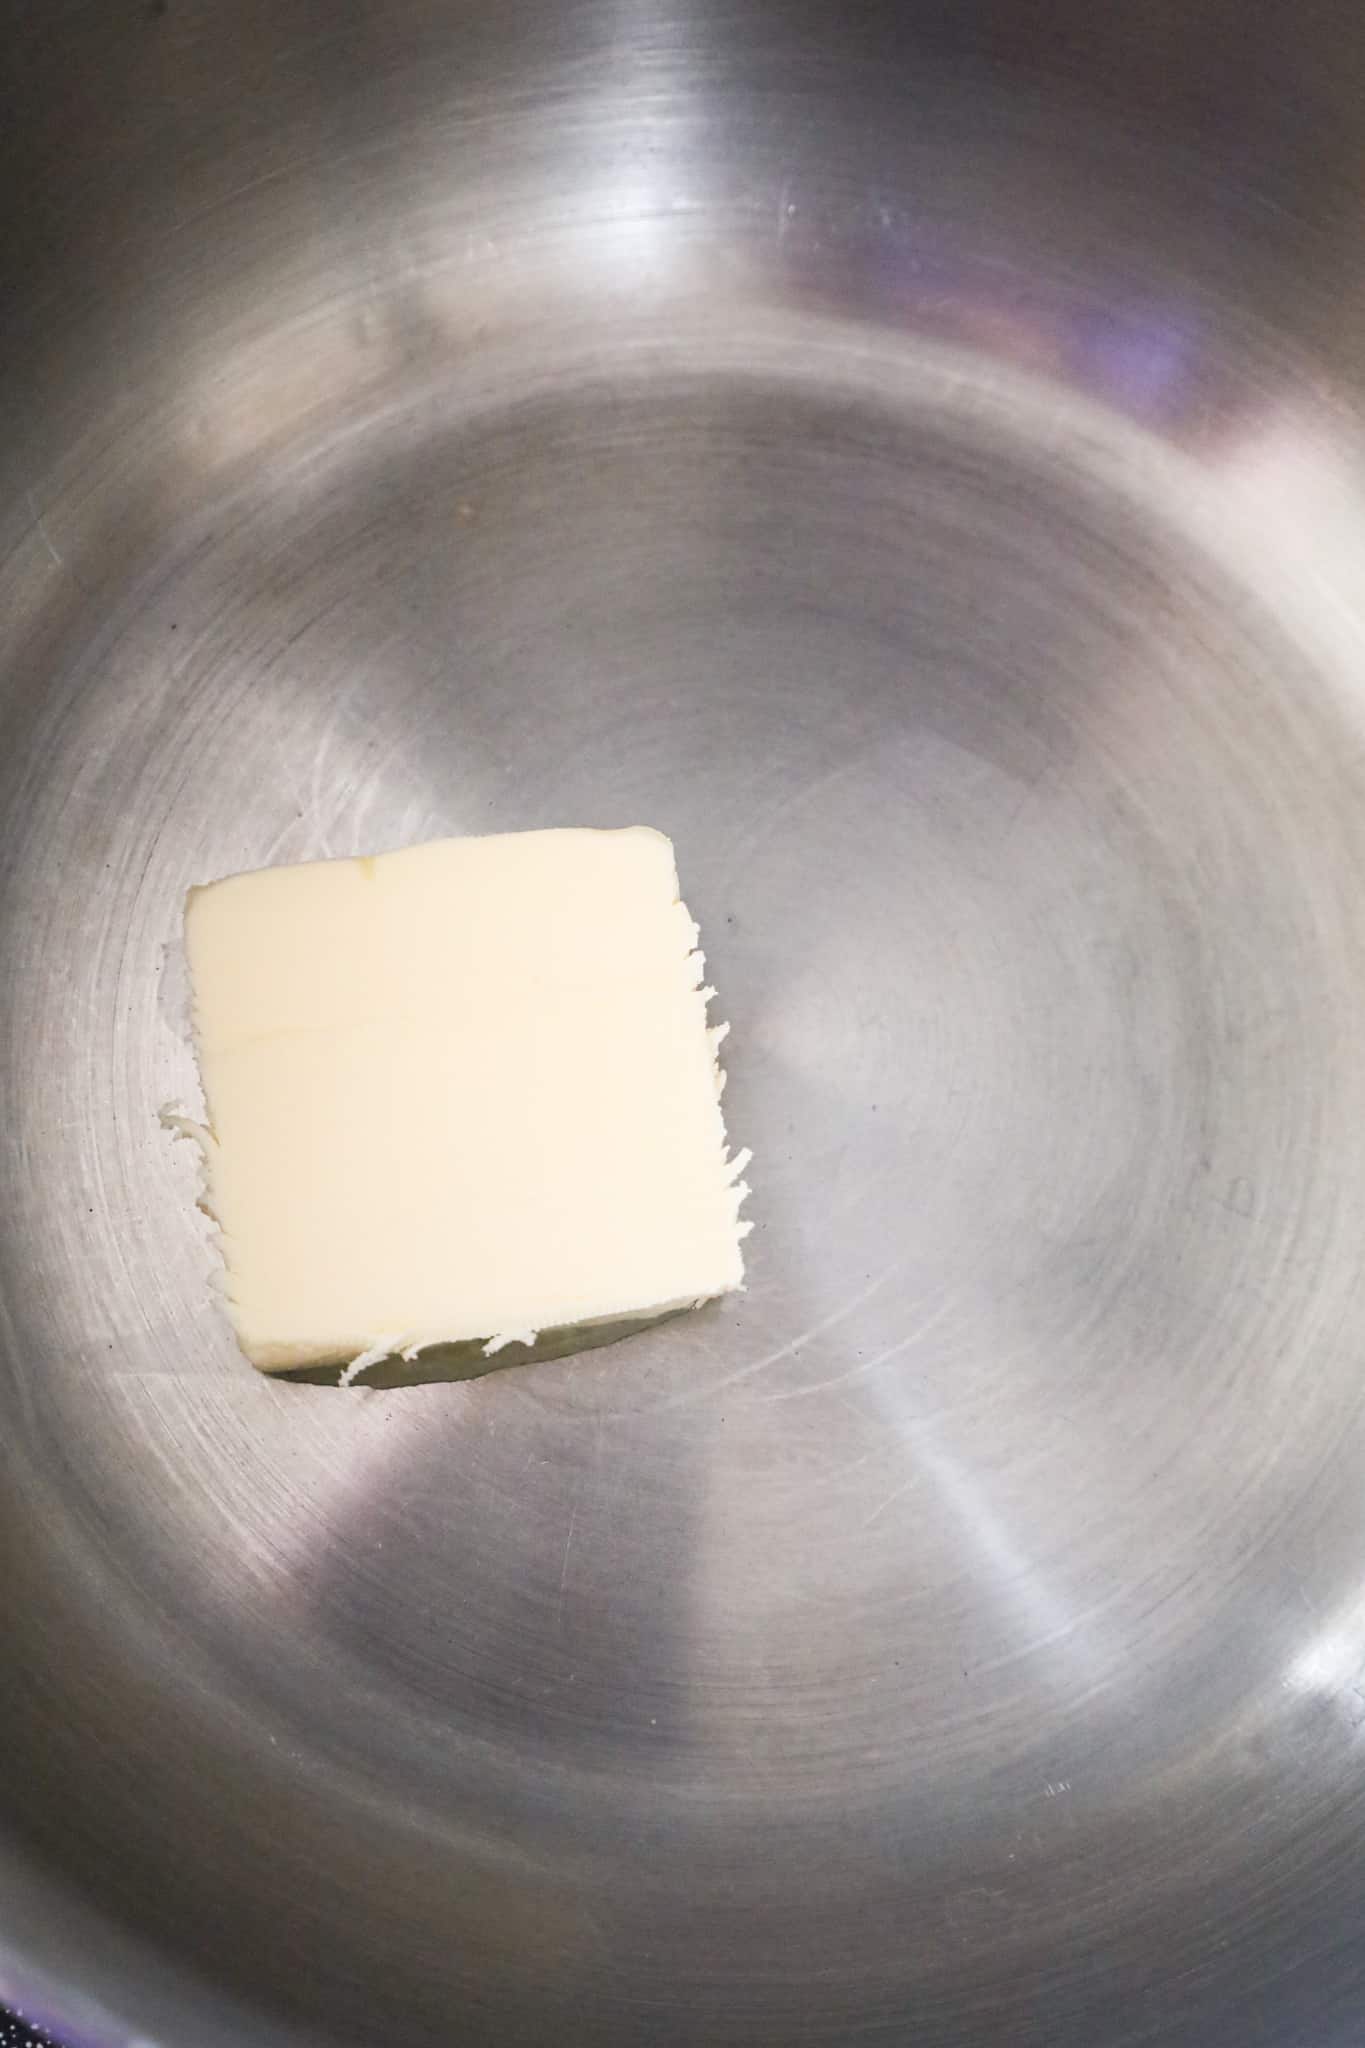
point(918, 465)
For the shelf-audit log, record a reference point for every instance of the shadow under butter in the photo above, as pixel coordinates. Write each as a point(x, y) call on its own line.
point(467, 1358)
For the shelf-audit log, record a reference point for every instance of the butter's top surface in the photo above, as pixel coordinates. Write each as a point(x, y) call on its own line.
point(463, 1090)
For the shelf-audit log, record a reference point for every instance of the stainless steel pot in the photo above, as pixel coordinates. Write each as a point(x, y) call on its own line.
point(916, 460)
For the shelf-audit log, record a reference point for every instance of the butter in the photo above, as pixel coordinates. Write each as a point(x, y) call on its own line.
point(463, 1103)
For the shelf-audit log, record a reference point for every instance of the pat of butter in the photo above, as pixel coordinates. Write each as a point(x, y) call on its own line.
point(462, 1092)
